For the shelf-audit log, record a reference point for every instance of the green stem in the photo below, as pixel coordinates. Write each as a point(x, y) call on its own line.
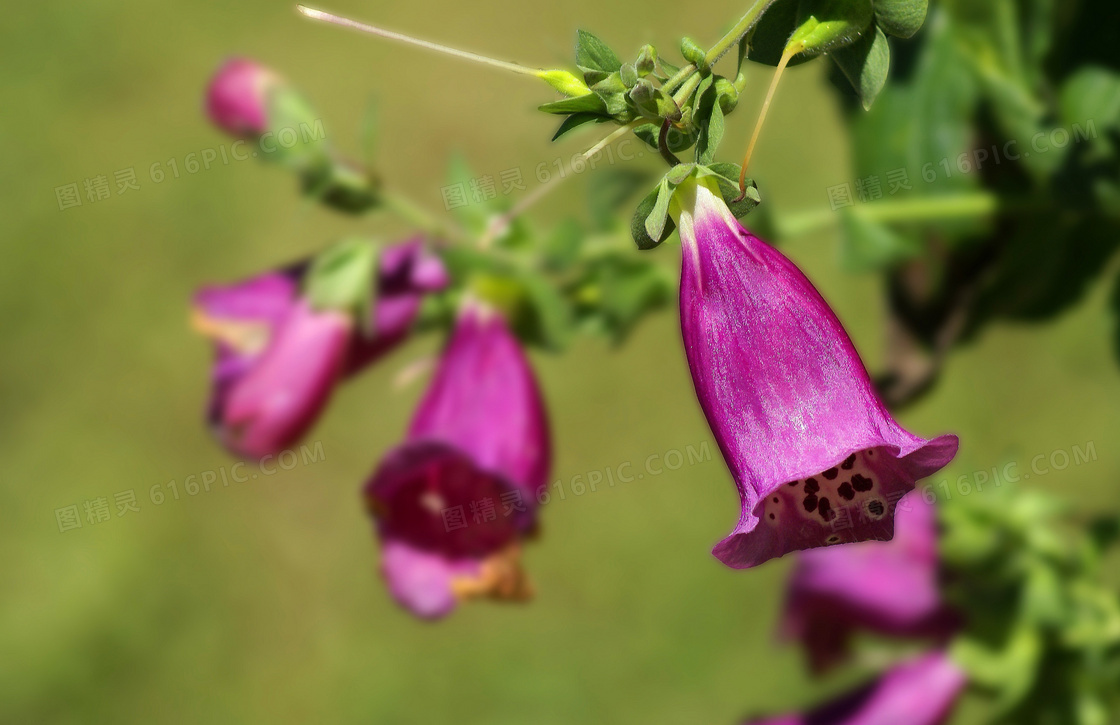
point(725, 44)
point(413, 213)
point(932, 208)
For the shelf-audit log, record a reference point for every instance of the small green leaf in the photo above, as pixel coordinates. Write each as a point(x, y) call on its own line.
point(593, 54)
point(865, 63)
point(900, 18)
point(576, 120)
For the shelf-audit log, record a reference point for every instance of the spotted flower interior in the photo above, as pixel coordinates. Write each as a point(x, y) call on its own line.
point(851, 501)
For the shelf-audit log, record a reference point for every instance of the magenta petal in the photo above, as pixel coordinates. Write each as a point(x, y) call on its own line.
point(922, 691)
point(886, 587)
point(237, 99)
point(786, 396)
point(422, 581)
point(273, 404)
point(484, 400)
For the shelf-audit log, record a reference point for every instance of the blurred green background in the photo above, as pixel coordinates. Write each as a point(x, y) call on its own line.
point(260, 601)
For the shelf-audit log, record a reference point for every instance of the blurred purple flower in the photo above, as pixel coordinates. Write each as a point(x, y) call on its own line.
point(237, 99)
point(281, 395)
point(888, 587)
point(454, 501)
point(921, 691)
point(277, 361)
point(815, 454)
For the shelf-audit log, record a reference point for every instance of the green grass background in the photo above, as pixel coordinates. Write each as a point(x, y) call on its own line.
point(259, 602)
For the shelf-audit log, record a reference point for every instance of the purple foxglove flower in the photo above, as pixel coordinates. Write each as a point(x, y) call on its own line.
point(237, 100)
point(888, 587)
point(453, 502)
point(815, 454)
point(247, 319)
point(406, 272)
point(922, 691)
point(281, 396)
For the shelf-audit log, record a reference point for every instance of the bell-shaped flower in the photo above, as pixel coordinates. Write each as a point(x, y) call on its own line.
point(921, 691)
point(886, 587)
point(815, 454)
point(454, 501)
point(278, 357)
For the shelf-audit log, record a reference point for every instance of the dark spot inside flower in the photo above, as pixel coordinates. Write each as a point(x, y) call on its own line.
point(777, 500)
point(876, 508)
point(810, 503)
point(825, 509)
point(846, 491)
point(862, 483)
point(831, 473)
point(834, 539)
point(847, 464)
point(793, 483)
point(772, 517)
point(811, 485)
point(870, 453)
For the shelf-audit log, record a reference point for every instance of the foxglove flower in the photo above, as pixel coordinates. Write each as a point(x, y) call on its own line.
point(887, 587)
point(815, 454)
point(922, 691)
point(277, 360)
point(454, 501)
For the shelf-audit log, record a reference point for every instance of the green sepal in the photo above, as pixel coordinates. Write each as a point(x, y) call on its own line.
point(344, 278)
point(656, 206)
point(678, 139)
point(711, 133)
point(726, 174)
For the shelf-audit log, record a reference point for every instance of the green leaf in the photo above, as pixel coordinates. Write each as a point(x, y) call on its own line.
point(544, 318)
point(900, 18)
point(593, 54)
point(343, 278)
point(576, 120)
point(865, 63)
point(590, 103)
